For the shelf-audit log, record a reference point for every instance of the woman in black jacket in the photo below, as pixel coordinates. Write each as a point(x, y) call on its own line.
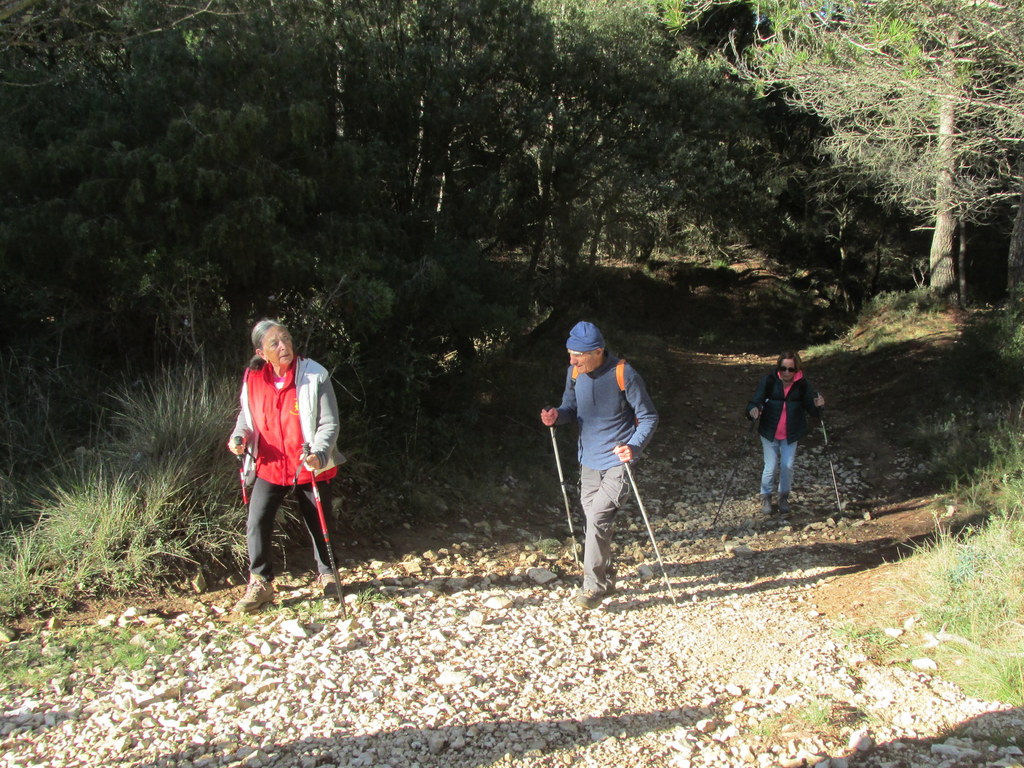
point(782, 401)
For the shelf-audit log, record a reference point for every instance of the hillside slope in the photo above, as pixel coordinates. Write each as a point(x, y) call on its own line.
point(475, 656)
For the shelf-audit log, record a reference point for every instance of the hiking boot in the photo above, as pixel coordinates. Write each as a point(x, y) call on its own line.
point(784, 503)
point(766, 503)
point(327, 584)
point(257, 594)
point(589, 599)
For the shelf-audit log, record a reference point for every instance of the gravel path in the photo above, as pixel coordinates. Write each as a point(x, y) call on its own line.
point(478, 658)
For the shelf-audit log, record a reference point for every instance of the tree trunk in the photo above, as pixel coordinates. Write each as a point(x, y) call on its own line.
point(545, 171)
point(1015, 258)
point(941, 275)
point(961, 262)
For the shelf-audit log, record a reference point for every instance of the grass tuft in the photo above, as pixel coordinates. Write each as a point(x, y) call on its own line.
point(39, 662)
point(153, 498)
point(372, 595)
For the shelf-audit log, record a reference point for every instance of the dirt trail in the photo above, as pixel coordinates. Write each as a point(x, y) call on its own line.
point(479, 658)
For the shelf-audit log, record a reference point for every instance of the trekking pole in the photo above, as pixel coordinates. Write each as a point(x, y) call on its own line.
point(565, 496)
point(728, 483)
point(323, 527)
point(241, 473)
point(828, 455)
point(650, 533)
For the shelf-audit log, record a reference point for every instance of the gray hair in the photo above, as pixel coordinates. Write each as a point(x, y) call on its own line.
point(261, 329)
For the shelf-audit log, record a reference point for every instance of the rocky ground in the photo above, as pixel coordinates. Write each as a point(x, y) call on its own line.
point(475, 655)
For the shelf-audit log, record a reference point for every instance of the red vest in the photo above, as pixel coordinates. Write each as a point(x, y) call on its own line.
point(275, 415)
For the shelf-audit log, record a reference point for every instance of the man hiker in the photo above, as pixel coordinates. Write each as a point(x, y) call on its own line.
point(608, 399)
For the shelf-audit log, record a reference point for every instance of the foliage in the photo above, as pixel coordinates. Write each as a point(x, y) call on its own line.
point(923, 99)
point(825, 718)
point(371, 595)
point(38, 421)
point(979, 432)
point(965, 587)
point(408, 185)
point(895, 318)
point(880, 647)
point(969, 588)
point(422, 191)
point(123, 517)
point(992, 353)
point(879, 72)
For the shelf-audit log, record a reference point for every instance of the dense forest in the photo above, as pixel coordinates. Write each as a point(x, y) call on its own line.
point(412, 186)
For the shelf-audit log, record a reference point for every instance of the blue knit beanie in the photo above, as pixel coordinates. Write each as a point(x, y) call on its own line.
point(584, 337)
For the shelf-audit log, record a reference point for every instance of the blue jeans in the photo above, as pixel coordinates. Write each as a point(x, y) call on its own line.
point(779, 456)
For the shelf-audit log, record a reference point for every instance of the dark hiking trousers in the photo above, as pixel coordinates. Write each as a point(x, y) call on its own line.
point(266, 499)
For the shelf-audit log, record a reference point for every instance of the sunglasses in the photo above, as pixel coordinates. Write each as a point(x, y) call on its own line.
point(787, 369)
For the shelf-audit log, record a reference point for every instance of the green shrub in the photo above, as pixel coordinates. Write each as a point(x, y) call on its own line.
point(970, 588)
point(891, 318)
point(39, 421)
point(153, 496)
point(989, 358)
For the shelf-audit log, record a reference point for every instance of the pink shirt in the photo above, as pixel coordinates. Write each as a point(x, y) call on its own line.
point(780, 428)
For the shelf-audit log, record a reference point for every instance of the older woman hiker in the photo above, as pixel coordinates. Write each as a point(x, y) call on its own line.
point(782, 400)
point(287, 429)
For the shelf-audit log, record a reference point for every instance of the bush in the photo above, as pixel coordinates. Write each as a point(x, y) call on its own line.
point(151, 498)
point(971, 590)
point(970, 587)
point(990, 356)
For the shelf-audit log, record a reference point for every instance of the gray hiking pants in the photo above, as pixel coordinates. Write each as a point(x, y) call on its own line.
point(601, 492)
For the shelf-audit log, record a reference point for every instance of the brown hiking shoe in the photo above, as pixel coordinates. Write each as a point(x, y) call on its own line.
point(589, 599)
point(257, 594)
point(328, 586)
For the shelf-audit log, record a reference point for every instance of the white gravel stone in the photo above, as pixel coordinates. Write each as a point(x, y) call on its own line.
point(541, 575)
point(482, 660)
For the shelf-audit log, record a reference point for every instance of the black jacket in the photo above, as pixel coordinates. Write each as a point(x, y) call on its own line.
point(770, 400)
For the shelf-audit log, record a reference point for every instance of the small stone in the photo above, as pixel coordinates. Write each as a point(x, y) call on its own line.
point(739, 550)
point(861, 741)
point(293, 628)
point(454, 679)
point(541, 575)
point(954, 751)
